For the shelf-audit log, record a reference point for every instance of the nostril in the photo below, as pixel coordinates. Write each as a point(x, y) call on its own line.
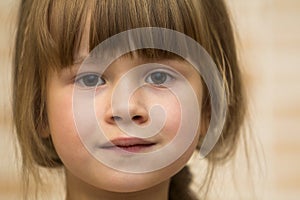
point(137, 118)
point(116, 118)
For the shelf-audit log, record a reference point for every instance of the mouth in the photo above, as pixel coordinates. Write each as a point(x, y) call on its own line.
point(134, 145)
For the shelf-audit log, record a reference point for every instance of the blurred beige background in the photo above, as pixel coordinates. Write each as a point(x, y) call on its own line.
point(269, 34)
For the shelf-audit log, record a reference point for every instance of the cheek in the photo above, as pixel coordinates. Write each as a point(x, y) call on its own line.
point(60, 114)
point(62, 127)
point(172, 108)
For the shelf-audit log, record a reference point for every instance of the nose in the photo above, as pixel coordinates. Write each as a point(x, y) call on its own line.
point(133, 111)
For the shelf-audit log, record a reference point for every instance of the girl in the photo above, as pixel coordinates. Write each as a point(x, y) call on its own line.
point(52, 64)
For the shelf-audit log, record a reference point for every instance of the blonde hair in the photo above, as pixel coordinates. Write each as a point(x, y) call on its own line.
point(49, 33)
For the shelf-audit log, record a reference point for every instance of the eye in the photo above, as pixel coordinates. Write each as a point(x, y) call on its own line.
point(89, 80)
point(158, 78)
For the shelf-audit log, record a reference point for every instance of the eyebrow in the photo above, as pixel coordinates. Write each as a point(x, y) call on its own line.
point(80, 59)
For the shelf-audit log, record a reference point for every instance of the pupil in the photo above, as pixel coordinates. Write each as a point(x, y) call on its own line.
point(90, 80)
point(158, 77)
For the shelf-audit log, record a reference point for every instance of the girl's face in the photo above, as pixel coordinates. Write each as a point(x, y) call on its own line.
point(80, 162)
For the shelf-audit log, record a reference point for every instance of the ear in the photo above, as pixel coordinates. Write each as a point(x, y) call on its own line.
point(44, 134)
point(43, 131)
point(205, 120)
point(204, 124)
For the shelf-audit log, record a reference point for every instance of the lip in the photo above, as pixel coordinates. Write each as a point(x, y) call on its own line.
point(128, 144)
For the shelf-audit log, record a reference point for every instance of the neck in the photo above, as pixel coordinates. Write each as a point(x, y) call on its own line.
point(79, 190)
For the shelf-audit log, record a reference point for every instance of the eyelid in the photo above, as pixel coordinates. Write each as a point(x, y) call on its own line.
point(168, 71)
point(78, 77)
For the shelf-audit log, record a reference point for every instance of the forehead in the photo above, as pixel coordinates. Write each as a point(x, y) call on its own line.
point(79, 28)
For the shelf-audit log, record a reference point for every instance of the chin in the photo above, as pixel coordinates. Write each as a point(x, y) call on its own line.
point(125, 183)
point(97, 176)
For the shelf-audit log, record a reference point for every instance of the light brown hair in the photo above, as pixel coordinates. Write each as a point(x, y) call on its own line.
point(49, 33)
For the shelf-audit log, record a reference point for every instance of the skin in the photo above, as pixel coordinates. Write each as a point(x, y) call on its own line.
point(86, 177)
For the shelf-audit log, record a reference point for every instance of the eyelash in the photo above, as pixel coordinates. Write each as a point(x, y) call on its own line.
point(81, 82)
point(166, 78)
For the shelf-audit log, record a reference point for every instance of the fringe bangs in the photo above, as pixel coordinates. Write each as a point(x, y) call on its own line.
point(108, 18)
